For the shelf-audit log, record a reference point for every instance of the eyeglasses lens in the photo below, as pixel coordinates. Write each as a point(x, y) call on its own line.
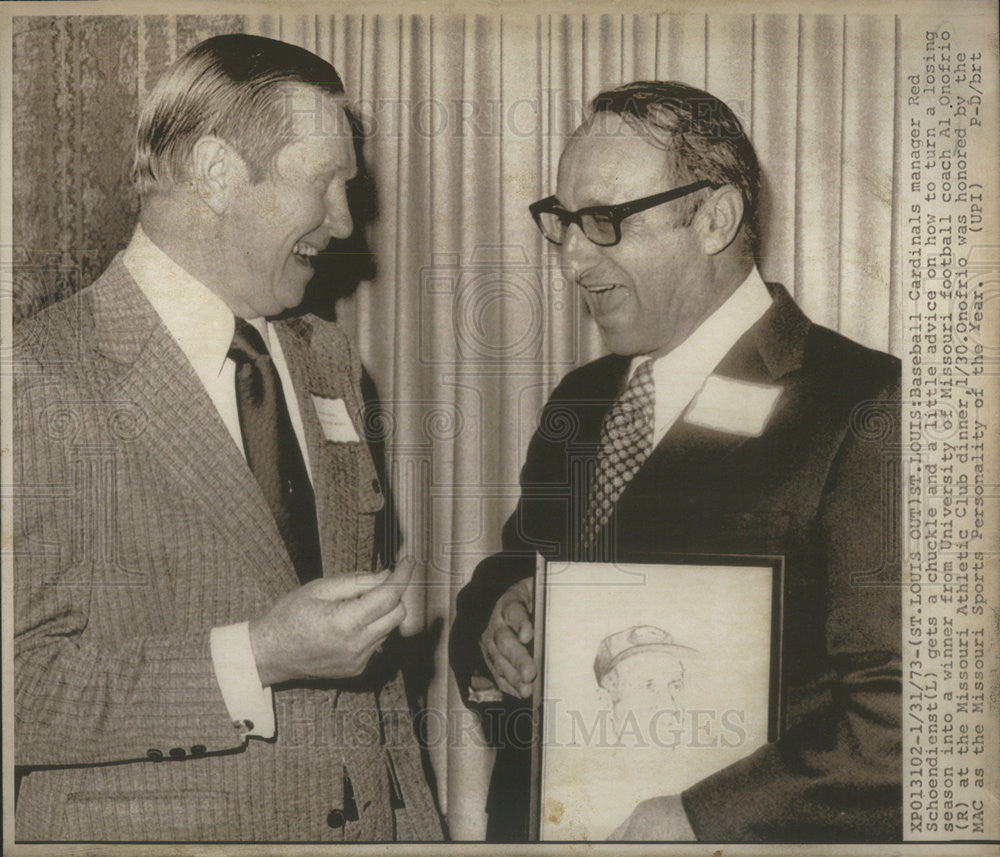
point(597, 228)
point(552, 226)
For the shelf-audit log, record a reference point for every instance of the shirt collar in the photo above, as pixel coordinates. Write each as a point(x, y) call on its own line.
point(680, 374)
point(199, 320)
point(703, 350)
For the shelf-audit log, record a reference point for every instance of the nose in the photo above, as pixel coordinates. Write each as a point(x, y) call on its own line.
point(338, 212)
point(576, 252)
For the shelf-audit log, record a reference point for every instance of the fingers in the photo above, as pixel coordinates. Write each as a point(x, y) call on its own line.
point(375, 604)
point(519, 621)
point(508, 688)
point(504, 674)
point(511, 630)
point(498, 664)
point(379, 629)
point(519, 658)
point(505, 640)
point(516, 606)
point(480, 682)
point(373, 636)
point(329, 628)
point(402, 573)
point(509, 661)
point(345, 586)
point(371, 597)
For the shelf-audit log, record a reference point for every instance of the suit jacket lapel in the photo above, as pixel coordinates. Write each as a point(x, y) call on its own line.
point(603, 390)
point(183, 428)
point(343, 473)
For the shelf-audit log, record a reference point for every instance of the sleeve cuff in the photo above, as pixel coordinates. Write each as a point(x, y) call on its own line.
point(249, 703)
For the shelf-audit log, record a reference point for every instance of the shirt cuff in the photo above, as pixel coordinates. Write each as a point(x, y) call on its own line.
point(249, 703)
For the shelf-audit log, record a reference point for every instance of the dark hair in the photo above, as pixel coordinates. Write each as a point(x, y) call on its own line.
point(233, 87)
point(702, 137)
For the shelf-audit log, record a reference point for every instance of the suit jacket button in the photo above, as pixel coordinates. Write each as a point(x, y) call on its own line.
point(335, 819)
point(177, 753)
point(199, 750)
point(154, 755)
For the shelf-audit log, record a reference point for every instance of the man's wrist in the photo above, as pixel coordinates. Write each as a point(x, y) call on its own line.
point(247, 700)
point(260, 652)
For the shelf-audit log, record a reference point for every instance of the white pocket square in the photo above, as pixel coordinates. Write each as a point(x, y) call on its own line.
point(336, 422)
point(736, 407)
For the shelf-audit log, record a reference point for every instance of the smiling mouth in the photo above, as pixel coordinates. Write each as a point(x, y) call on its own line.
point(304, 251)
point(600, 290)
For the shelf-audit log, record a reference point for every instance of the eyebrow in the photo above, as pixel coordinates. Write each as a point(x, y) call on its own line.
point(588, 203)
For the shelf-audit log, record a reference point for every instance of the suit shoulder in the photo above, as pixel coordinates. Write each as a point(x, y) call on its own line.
point(62, 313)
point(75, 311)
point(331, 346)
point(324, 333)
point(849, 364)
point(52, 338)
point(599, 377)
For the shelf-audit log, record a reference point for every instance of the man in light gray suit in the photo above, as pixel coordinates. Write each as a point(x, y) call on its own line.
point(199, 614)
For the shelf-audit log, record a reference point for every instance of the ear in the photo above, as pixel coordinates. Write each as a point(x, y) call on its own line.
point(719, 218)
point(215, 168)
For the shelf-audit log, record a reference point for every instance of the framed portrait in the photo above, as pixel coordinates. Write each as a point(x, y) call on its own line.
point(652, 676)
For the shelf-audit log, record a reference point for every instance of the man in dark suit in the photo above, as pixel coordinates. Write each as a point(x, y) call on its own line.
point(199, 610)
point(722, 422)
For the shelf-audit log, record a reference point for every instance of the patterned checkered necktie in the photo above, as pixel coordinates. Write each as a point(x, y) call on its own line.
point(626, 441)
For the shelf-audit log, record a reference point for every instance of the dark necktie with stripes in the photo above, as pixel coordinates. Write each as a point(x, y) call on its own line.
point(272, 449)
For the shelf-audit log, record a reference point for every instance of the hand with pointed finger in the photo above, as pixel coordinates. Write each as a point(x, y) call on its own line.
point(504, 643)
point(329, 628)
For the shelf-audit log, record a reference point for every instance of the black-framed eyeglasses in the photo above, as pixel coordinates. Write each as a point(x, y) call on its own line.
point(601, 224)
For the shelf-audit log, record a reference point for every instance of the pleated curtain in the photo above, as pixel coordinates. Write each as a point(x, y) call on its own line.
point(466, 323)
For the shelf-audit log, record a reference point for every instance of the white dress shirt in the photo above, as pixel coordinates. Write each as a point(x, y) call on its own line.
point(679, 375)
point(202, 325)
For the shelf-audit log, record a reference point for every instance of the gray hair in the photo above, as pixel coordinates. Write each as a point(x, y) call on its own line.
point(233, 87)
point(702, 137)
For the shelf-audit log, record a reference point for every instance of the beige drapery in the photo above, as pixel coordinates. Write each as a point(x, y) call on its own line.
point(467, 324)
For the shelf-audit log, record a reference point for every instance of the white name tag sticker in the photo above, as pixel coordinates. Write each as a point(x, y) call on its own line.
point(736, 407)
point(336, 422)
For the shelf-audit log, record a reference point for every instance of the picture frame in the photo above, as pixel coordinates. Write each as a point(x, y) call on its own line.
point(654, 694)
